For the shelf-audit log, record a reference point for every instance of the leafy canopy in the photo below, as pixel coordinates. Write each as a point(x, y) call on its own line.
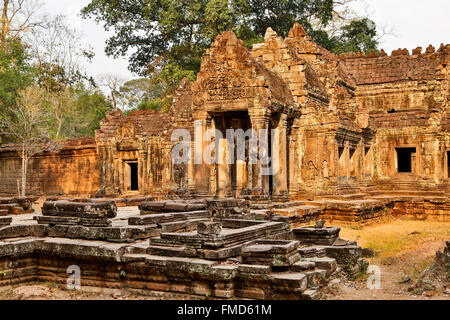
point(165, 39)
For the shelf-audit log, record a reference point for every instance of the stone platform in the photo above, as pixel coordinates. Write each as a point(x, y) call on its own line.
point(192, 253)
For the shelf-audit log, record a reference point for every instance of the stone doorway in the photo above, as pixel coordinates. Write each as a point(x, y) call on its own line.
point(231, 176)
point(131, 176)
point(406, 160)
point(448, 164)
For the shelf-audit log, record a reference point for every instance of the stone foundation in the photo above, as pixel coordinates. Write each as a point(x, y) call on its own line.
point(194, 254)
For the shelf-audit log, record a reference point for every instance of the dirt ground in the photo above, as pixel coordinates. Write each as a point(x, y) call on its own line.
point(403, 250)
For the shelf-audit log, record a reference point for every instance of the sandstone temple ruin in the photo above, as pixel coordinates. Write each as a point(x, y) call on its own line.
point(357, 137)
point(354, 126)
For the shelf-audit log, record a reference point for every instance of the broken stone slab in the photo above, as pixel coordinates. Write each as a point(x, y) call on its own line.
point(344, 254)
point(270, 247)
point(5, 221)
point(325, 263)
point(219, 254)
point(19, 247)
point(319, 236)
point(314, 251)
point(16, 231)
point(277, 253)
point(209, 228)
point(301, 266)
point(73, 221)
point(82, 249)
point(149, 207)
point(159, 218)
point(289, 282)
point(222, 203)
point(64, 208)
point(180, 251)
point(112, 234)
point(254, 269)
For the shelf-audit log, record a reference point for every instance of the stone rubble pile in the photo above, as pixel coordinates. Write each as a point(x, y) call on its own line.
point(191, 247)
point(16, 206)
point(86, 213)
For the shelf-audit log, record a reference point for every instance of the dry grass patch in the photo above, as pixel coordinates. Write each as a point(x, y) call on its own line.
point(406, 246)
point(391, 238)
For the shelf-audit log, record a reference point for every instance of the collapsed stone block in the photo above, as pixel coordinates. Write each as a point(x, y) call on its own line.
point(321, 236)
point(277, 253)
point(209, 228)
point(63, 208)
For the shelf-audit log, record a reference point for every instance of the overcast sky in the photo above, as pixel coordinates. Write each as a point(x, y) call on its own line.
point(414, 23)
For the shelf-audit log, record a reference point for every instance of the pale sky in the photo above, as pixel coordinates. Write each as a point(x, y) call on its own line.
point(414, 23)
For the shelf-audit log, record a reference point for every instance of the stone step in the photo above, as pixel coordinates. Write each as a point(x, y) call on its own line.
point(289, 282)
point(283, 205)
point(328, 264)
point(312, 252)
point(4, 212)
point(301, 266)
point(298, 211)
point(185, 225)
point(355, 196)
point(259, 206)
point(134, 257)
point(312, 294)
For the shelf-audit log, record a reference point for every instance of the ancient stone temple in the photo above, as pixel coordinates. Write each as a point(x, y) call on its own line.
point(348, 138)
point(354, 126)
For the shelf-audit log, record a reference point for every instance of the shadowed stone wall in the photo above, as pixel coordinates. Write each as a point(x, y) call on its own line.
point(72, 170)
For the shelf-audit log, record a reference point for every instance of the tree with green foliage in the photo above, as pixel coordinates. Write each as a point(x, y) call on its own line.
point(167, 38)
point(16, 73)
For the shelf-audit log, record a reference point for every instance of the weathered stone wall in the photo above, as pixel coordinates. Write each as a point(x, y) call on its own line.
point(406, 99)
point(72, 170)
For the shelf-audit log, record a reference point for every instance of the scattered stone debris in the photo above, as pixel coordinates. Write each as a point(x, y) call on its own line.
point(196, 248)
point(436, 277)
point(16, 206)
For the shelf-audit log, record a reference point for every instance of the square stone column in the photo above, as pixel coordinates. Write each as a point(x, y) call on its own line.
point(260, 121)
point(223, 168)
point(279, 154)
point(201, 172)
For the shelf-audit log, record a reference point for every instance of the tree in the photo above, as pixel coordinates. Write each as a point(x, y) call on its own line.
point(59, 53)
point(112, 83)
point(168, 38)
point(27, 124)
point(89, 107)
point(16, 73)
point(18, 16)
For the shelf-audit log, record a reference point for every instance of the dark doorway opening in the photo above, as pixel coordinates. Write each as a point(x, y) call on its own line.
point(405, 159)
point(134, 181)
point(448, 164)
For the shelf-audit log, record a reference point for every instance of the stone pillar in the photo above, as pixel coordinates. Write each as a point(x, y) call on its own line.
point(223, 168)
point(248, 167)
point(259, 122)
point(279, 164)
point(191, 170)
point(201, 169)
